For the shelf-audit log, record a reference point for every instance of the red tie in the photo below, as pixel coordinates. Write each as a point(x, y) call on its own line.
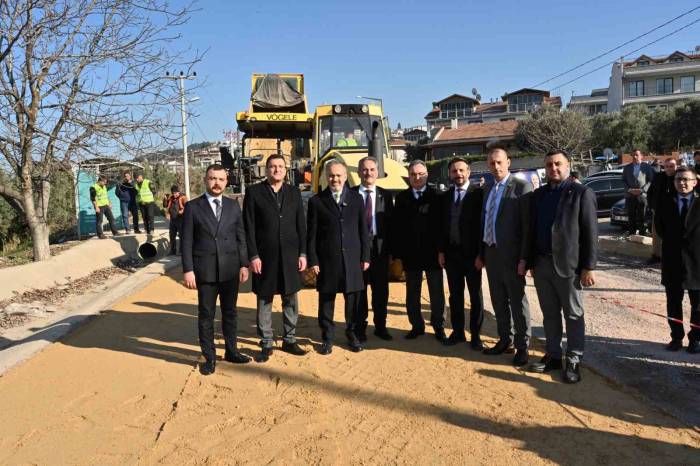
point(368, 211)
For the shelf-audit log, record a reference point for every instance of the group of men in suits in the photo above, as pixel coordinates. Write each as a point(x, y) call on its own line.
point(352, 234)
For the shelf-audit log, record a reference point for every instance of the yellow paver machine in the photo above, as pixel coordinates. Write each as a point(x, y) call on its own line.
point(277, 120)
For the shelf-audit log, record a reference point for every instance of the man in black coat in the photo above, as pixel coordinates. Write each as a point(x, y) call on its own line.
point(661, 187)
point(379, 205)
point(276, 232)
point(458, 247)
point(415, 238)
point(562, 254)
point(678, 225)
point(338, 252)
point(214, 262)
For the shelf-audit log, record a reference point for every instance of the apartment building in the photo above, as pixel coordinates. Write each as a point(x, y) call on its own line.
point(458, 110)
point(657, 82)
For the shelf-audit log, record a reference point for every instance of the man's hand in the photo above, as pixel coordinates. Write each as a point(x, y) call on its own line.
point(190, 281)
point(587, 278)
point(97, 210)
point(441, 259)
point(243, 275)
point(315, 269)
point(522, 267)
point(302, 263)
point(365, 266)
point(256, 265)
point(478, 263)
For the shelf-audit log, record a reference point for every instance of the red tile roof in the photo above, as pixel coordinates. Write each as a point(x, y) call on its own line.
point(479, 131)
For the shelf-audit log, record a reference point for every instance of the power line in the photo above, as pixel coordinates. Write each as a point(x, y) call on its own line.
point(628, 54)
point(616, 48)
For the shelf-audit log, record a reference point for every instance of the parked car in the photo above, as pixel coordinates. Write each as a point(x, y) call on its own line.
point(615, 172)
point(608, 190)
point(619, 217)
point(529, 175)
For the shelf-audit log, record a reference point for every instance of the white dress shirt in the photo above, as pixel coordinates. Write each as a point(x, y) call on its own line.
point(497, 202)
point(210, 200)
point(418, 193)
point(373, 193)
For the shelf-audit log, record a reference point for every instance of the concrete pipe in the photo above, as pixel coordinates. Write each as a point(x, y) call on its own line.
point(148, 252)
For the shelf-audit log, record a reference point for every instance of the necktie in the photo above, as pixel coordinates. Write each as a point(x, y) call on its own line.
point(684, 210)
point(458, 199)
point(368, 210)
point(491, 215)
point(419, 194)
point(217, 203)
point(336, 196)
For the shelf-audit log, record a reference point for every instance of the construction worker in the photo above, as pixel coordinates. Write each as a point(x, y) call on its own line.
point(174, 208)
point(100, 201)
point(348, 141)
point(146, 200)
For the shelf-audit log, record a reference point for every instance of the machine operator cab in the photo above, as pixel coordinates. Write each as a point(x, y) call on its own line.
point(350, 132)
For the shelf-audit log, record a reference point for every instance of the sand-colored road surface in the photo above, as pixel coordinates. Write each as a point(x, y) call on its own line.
point(124, 389)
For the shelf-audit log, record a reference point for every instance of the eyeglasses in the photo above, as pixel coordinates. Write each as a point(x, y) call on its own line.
point(685, 180)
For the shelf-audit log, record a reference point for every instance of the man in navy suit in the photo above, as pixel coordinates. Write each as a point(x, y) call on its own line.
point(338, 253)
point(214, 262)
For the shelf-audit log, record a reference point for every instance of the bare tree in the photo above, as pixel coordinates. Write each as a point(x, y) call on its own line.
point(81, 78)
point(547, 128)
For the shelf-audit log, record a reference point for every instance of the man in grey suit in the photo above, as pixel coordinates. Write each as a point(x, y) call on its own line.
point(562, 254)
point(504, 232)
point(637, 178)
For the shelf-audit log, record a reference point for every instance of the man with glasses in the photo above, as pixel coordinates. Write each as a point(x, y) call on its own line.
point(415, 243)
point(678, 225)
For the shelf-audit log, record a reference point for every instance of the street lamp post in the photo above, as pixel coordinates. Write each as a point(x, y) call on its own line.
point(183, 115)
point(376, 99)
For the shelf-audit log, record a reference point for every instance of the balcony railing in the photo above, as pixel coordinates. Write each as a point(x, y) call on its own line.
point(653, 93)
point(514, 108)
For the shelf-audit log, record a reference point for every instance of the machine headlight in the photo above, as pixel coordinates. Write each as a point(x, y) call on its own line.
point(337, 109)
point(365, 109)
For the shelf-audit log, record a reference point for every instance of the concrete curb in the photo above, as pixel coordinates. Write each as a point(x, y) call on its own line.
point(54, 329)
point(624, 247)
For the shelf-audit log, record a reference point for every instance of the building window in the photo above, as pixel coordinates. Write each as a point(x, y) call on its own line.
point(676, 59)
point(636, 89)
point(524, 102)
point(651, 108)
point(664, 86)
point(455, 110)
point(643, 63)
point(687, 83)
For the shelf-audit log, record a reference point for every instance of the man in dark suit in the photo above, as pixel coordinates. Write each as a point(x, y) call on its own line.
point(458, 247)
point(637, 177)
point(338, 252)
point(661, 187)
point(415, 239)
point(678, 225)
point(562, 253)
point(276, 232)
point(214, 262)
point(379, 204)
point(505, 229)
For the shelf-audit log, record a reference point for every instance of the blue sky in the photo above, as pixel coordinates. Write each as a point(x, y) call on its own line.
point(411, 53)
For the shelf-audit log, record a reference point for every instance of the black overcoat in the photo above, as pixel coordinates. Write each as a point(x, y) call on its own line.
point(415, 229)
point(469, 220)
point(338, 241)
point(215, 251)
point(680, 247)
point(277, 235)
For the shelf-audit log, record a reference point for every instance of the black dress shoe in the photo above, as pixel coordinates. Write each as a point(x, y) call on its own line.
point(293, 348)
point(264, 355)
point(137, 231)
point(207, 368)
point(440, 335)
point(414, 333)
point(455, 339)
point(674, 345)
point(361, 337)
point(326, 348)
point(545, 364)
point(355, 346)
point(238, 357)
point(476, 344)
point(694, 347)
point(503, 346)
point(521, 358)
point(383, 334)
point(572, 373)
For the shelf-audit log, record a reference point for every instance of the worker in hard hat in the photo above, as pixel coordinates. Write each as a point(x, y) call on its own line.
point(348, 141)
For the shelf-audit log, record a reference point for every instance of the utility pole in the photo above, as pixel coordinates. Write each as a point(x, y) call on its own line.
point(183, 114)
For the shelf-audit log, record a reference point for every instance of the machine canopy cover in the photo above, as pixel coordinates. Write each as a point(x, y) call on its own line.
point(274, 92)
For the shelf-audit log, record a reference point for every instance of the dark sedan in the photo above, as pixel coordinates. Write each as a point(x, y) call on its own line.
point(618, 215)
point(608, 190)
